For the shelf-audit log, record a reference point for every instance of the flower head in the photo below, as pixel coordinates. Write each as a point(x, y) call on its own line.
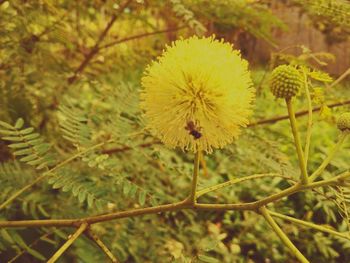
point(197, 95)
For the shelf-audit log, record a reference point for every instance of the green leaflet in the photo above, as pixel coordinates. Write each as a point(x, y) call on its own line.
point(27, 144)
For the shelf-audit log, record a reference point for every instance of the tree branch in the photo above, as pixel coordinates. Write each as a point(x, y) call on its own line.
point(185, 204)
point(94, 50)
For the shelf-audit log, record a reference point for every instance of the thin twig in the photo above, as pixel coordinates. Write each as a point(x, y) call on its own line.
point(116, 42)
point(330, 156)
point(238, 180)
point(31, 245)
point(68, 243)
point(126, 148)
point(284, 238)
point(272, 198)
point(311, 225)
point(297, 114)
point(103, 247)
point(342, 76)
point(94, 50)
point(50, 28)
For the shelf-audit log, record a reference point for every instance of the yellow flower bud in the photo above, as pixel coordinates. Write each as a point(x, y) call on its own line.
point(285, 81)
point(343, 121)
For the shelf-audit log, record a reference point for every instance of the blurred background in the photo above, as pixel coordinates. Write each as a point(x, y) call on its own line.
point(83, 60)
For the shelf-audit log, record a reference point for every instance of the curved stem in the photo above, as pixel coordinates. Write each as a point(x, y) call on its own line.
point(282, 235)
point(272, 198)
point(309, 224)
point(195, 177)
point(237, 180)
point(69, 242)
point(330, 156)
point(293, 123)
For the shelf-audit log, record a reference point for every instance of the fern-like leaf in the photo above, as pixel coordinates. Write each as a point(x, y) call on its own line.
point(27, 144)
point(82, 188)
point(342, 201)
point(11, 177)
point(188, 16)
point(74, 126)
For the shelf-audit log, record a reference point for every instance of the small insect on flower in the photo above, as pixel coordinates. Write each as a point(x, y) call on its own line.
point(197, 95)
point(193, 130)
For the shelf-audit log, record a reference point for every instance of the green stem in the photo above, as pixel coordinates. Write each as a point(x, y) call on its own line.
point(309, 224)
point(330, 156)
point(272, 198)
point(309, 121)
point(38, 179)
point(282, 235)
point(237, 180)
point(69, 242)
point(193, 197)
point(203, 165)
point(293, 123)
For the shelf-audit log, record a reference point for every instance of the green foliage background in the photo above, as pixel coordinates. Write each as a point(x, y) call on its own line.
point(78, 87)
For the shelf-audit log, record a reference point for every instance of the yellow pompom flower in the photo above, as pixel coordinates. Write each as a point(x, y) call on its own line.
point(197, 95)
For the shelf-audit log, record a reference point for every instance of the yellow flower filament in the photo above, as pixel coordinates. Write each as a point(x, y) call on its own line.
point(197, 95)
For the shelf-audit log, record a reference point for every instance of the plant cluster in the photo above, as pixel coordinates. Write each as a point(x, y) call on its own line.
point(85, 162)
